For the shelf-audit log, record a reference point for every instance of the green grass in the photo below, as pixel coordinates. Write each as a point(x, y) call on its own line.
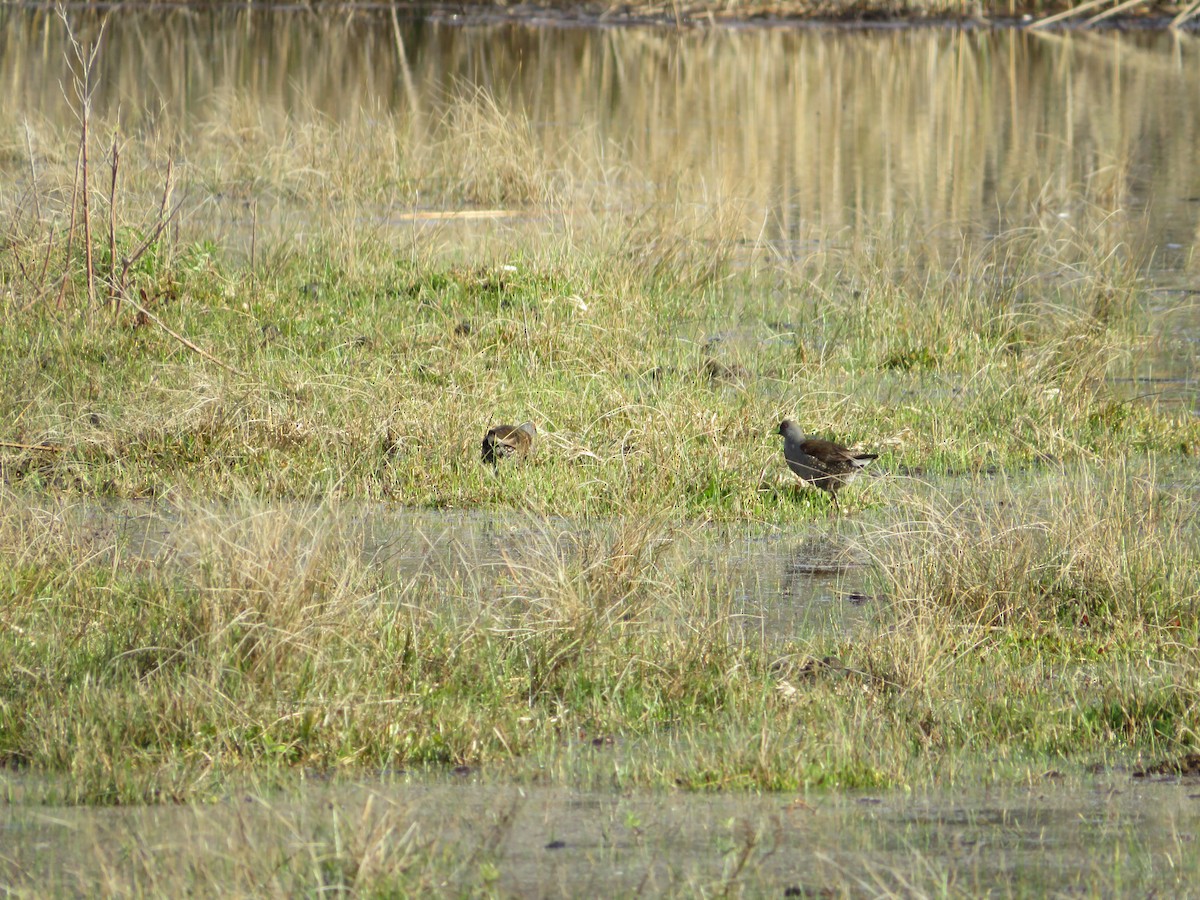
point(374, 391)
point(1046, 614)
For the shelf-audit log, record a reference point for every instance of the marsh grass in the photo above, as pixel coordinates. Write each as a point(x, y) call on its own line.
point(261, 645)
point(384, 385)
point(1081, 598)
point(388, 840)
point(1084, 547)
point(707, 11)
point(656, 339)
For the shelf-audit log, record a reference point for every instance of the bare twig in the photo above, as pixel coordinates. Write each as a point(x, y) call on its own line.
point(84, 89)
point(119, 284)
point(179, 337)
point(130, 261)
point(62, 291)
point(1065, 14)
point(87, 206)
point(37, 200)
point(46, 259)
point(40, 284)
point(36, 286)
point(168, 186)
point(1108, 13)
point(112, 228)
point(164, 219)
point(438, 214)
point(46, 448)
point(1187, 13)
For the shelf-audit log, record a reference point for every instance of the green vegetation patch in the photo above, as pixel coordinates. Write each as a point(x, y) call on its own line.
point(1035, 577)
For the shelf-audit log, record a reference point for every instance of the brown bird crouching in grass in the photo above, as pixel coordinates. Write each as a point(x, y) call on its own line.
point(508, 440)
point(821, 463)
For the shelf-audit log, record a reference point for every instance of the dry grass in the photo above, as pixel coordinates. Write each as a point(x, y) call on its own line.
point(1082, 547)
point(261, 641)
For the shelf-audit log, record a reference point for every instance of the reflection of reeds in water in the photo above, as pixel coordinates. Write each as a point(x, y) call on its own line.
point(803, 128)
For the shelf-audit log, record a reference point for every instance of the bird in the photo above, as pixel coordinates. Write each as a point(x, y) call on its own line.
point(508, 440)
point(821, 463)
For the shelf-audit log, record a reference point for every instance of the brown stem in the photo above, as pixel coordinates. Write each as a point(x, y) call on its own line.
point(62, 291)
point(40, 284)
point(84, 86)
point(37, 201)
point(167, 186)
point(46, 259)
point(112, 229)
point(48, 448)
point(87, 207)
point(179, 337)
point(164, 219)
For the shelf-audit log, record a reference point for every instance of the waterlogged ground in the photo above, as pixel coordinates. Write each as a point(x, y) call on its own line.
point(1112, 834)
point(784, 583)
point(267, 625)
point(934, 131)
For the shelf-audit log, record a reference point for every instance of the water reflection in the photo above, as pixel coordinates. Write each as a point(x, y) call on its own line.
point(1100, 837)
point(933, 129)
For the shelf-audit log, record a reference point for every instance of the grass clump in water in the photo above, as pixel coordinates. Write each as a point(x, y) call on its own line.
point(260, 644)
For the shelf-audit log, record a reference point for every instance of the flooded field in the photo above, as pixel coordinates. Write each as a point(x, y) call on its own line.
point(269, 624)
point(804, 130)
point(800, 141)
point(782, 584)
point(1111, 835)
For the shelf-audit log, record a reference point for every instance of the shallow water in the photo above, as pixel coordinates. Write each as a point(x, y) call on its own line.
point(1111, 835)
point(936, 129)
point(954, 129)
point(780, 583)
